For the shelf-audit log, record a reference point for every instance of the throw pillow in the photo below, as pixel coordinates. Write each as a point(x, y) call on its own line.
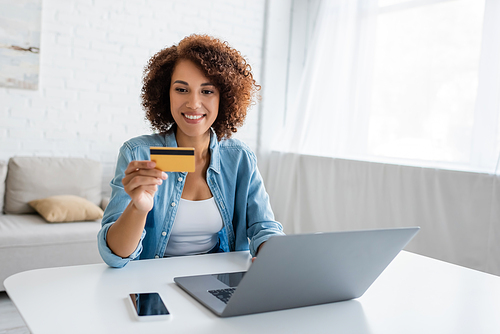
point(66, 208)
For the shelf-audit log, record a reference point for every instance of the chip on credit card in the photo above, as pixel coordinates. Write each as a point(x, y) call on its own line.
point(173, 159)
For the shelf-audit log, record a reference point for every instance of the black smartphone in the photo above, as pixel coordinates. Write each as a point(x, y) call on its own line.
point(149, 306)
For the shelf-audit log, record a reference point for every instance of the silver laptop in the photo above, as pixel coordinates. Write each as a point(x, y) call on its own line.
point(301, 270)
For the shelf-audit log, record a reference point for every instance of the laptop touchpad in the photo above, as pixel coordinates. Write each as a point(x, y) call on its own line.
point(230, 279)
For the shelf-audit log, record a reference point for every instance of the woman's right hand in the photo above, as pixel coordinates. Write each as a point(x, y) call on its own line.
point(141, 181)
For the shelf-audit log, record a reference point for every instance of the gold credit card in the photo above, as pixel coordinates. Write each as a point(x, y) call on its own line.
point(173, 159)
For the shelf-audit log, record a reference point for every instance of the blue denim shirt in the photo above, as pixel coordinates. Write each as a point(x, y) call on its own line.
point(233, 179)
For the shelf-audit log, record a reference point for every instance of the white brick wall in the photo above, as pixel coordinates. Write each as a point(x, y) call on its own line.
point(91, 61)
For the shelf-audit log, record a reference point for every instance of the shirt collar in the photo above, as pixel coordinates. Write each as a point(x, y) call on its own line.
point(214, 152)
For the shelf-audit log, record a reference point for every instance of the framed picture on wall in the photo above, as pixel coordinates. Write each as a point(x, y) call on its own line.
point(20, 25)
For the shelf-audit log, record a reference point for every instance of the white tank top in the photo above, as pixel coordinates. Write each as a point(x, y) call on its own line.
point(195, 228)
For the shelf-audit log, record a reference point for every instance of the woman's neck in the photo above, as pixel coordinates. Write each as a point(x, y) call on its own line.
point(201, 144)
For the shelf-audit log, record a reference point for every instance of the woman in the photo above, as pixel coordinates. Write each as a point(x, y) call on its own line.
point(195, 94)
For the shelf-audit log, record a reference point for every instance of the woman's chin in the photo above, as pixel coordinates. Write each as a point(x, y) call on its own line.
point(193, 132)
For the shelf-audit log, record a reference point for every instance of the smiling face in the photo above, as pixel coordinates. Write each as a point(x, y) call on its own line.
point(194, 101)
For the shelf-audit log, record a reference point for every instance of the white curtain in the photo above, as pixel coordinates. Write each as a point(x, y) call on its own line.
point(396, 123)
point(316, 123)
point(414, 82)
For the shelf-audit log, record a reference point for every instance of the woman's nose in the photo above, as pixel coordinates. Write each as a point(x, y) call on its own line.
point(194, 101)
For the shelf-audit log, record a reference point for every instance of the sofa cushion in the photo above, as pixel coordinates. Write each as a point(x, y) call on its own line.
point(33, 230)
point(30, 178)
point(3, 174)
point(66, 208)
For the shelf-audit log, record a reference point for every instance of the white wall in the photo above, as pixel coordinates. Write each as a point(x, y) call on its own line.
point(91, 62)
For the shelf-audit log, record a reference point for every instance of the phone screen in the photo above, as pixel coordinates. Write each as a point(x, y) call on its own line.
point(148, 304)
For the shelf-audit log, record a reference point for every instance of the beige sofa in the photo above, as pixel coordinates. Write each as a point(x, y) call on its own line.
point(27, 240)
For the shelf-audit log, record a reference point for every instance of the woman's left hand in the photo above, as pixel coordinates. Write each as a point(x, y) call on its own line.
point(258, 250)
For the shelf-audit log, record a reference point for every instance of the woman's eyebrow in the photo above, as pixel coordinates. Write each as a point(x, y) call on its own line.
point(185, 83)
point(181, 82)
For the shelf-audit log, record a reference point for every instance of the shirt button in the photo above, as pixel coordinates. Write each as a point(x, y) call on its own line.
point(179, 179)
point(164, 233)
point(157, 257)
point(173, 204)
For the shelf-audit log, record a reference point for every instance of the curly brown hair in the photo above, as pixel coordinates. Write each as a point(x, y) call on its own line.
point(224, 66)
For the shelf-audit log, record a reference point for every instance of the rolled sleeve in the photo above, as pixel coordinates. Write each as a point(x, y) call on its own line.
point(261, 224)
point(262, 236)
point(107, 254)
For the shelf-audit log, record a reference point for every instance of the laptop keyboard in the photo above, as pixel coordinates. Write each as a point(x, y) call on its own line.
point(223, 294)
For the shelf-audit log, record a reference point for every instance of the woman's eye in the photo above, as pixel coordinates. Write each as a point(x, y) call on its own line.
point(181, 90)
point(206, 91)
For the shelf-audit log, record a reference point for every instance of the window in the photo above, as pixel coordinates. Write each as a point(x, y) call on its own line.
point(409, 82)
point(425, 80)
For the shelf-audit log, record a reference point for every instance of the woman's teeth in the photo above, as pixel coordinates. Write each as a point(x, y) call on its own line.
point(193, 116)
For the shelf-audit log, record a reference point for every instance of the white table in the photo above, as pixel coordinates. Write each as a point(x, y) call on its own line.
point(415, 294)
